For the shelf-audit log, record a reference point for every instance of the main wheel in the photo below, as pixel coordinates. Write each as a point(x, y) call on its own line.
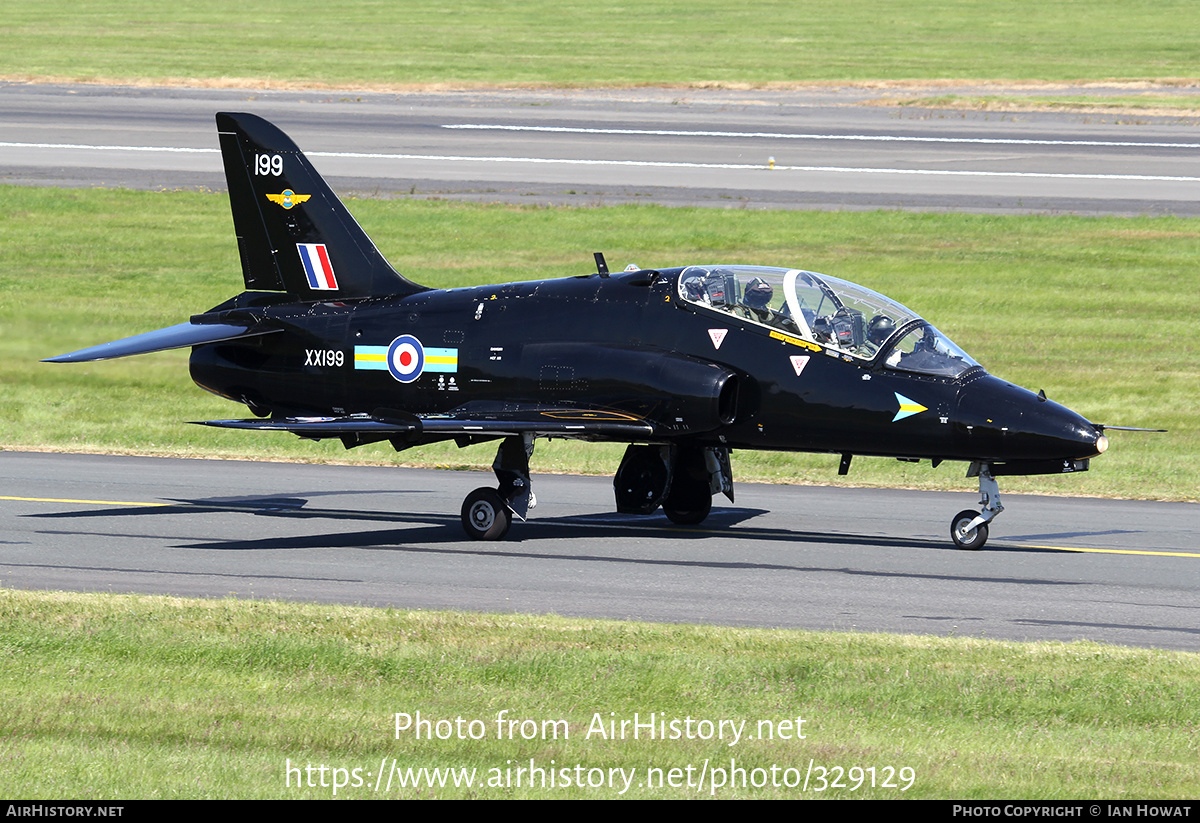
point(485, 515)
point(640, 480)
point(970, 540)
point(688, 503)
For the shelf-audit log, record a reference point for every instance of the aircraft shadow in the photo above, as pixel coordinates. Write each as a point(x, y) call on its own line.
point(419, 532)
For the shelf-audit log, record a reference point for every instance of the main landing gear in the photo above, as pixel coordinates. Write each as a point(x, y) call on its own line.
point(968, 529)
point(690, 499)
point(681, 479)
point(487, 513)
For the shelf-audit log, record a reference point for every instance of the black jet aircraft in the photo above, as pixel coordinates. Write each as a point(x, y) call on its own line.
point(684, 364)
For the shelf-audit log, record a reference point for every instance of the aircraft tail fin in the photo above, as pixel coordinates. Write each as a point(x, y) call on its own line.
point(293, 232)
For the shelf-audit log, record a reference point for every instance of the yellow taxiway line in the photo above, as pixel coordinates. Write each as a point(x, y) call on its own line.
point(1110, 551)
point(91, 502)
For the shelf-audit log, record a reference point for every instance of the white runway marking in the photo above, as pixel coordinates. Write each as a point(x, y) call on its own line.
point(660, 164)
point(894, 138)
point(86, 147)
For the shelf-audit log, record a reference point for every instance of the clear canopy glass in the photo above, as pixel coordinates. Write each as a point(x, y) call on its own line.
point(833, 313)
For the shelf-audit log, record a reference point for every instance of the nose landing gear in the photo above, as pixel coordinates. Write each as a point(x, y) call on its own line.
point(968, 529)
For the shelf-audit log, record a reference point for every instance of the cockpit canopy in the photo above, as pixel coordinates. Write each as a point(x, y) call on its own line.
point(833, 313)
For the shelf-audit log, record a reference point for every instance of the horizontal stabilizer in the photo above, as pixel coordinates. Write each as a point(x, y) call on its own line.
point(172, 337)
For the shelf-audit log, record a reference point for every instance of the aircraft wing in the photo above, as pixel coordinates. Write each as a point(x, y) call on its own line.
point(582, 424)
point(173, 337)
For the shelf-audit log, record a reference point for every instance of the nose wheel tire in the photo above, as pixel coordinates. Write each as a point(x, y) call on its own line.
point(972, 540)
point(485, 516)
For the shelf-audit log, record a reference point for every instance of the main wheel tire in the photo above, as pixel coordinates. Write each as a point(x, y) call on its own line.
point(688, 503)
point(640, 480)
point(972, 540)
point(485, 516)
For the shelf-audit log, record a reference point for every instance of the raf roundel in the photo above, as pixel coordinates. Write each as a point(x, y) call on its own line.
point(406, 358)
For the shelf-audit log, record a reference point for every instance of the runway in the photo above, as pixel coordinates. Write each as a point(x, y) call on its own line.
point(751, 149)
point(1122, 572)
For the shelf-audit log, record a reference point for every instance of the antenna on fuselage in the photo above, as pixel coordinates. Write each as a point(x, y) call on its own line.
point(601, 266)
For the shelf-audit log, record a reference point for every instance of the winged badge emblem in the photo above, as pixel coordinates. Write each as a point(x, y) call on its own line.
point(288, 198)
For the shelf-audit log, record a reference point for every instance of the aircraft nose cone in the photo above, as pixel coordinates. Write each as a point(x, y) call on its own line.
point(999, 421)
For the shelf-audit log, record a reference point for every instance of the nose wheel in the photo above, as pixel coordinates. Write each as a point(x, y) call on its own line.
point(963, 535)
point(969, 529)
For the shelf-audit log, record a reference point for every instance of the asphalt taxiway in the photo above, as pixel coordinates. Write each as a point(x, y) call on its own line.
point(1125, 572)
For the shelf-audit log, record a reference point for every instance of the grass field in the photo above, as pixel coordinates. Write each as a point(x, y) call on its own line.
point(586, 43)
point(128, 697)
point(1088, 309)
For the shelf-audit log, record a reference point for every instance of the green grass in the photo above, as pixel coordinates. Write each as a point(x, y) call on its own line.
point(1093, 310)
point(127, 697)
point(585, 43)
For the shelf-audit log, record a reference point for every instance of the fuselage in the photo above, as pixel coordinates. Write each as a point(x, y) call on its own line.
point(630, 343)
